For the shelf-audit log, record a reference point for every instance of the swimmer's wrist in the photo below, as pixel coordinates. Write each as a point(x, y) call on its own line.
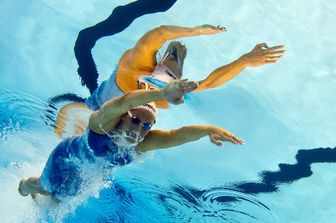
point(209, 129)
point(243, 60)
point(213, 129)
point(164, 95)
point(167, 93)
point(161, 94)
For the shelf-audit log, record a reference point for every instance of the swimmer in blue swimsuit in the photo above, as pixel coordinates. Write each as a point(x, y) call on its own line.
point(117, 132)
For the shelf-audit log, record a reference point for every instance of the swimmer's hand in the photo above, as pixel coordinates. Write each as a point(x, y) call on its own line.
point(209, 29)
point(262, 54)
point(217, 135)
point(175, 90)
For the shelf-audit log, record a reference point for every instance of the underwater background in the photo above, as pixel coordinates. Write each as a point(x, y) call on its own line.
point(285, 112)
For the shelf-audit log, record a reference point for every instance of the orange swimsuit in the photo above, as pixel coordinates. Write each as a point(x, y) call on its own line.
point(157, 79)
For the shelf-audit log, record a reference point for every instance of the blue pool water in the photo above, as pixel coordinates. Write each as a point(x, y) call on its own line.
point(285, 112)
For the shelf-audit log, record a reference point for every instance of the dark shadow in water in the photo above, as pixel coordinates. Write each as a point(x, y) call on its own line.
point(119, 20)
point(289, 173)
point(270, 181)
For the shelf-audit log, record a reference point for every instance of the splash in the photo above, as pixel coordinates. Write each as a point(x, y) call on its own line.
point(94, 178)
point(126, 138)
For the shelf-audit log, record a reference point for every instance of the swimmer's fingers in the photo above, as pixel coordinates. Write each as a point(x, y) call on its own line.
point(260, 46)
point(181, 82)
point(187, 86)
point(240, 141)
point(272, 59)
point(220, 28)
point(228, 136)
point(235, 140)
point(273, 48)
point(178, 101)
point(276, 53)
point(215, 139)
point(275, 57)
point(273, 54)
point(231, 139)
point(262, 54)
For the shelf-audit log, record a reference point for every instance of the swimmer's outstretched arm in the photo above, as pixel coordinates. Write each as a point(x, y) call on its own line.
point(159, 139)
point(143, 54)
point(260, 55)
point(108, 116)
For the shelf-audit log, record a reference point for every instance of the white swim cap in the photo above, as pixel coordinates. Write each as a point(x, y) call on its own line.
point(150, 107)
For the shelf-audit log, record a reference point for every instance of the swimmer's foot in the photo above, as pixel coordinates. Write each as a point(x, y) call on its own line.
point(176, 53)
point(36, 197)
point(21, 189)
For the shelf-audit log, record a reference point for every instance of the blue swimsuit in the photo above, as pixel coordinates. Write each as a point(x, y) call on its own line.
point(107, 90)
point(62, 174)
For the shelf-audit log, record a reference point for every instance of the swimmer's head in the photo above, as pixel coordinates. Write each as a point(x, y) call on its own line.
point(149, 107)
point(135, 125)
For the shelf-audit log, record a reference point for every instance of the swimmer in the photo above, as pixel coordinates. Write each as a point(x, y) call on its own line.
point(121, 126)
point(138, 69)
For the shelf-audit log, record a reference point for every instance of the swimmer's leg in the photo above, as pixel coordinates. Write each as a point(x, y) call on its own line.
point(33, 187)
point(120, 19)
point(174, 57)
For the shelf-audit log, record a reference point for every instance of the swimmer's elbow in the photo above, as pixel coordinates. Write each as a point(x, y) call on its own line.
point(162, 30)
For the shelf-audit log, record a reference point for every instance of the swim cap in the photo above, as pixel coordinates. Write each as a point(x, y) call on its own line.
point(150, 107)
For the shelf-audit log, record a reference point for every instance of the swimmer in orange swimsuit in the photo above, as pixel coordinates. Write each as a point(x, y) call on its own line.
point(138, 68)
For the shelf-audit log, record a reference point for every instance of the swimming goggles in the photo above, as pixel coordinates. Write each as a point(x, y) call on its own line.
point(148, 82)
point(137, 121)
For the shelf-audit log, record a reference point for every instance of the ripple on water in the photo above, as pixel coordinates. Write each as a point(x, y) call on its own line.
point(21, 125)
point(21, 112)
point(154, 203)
